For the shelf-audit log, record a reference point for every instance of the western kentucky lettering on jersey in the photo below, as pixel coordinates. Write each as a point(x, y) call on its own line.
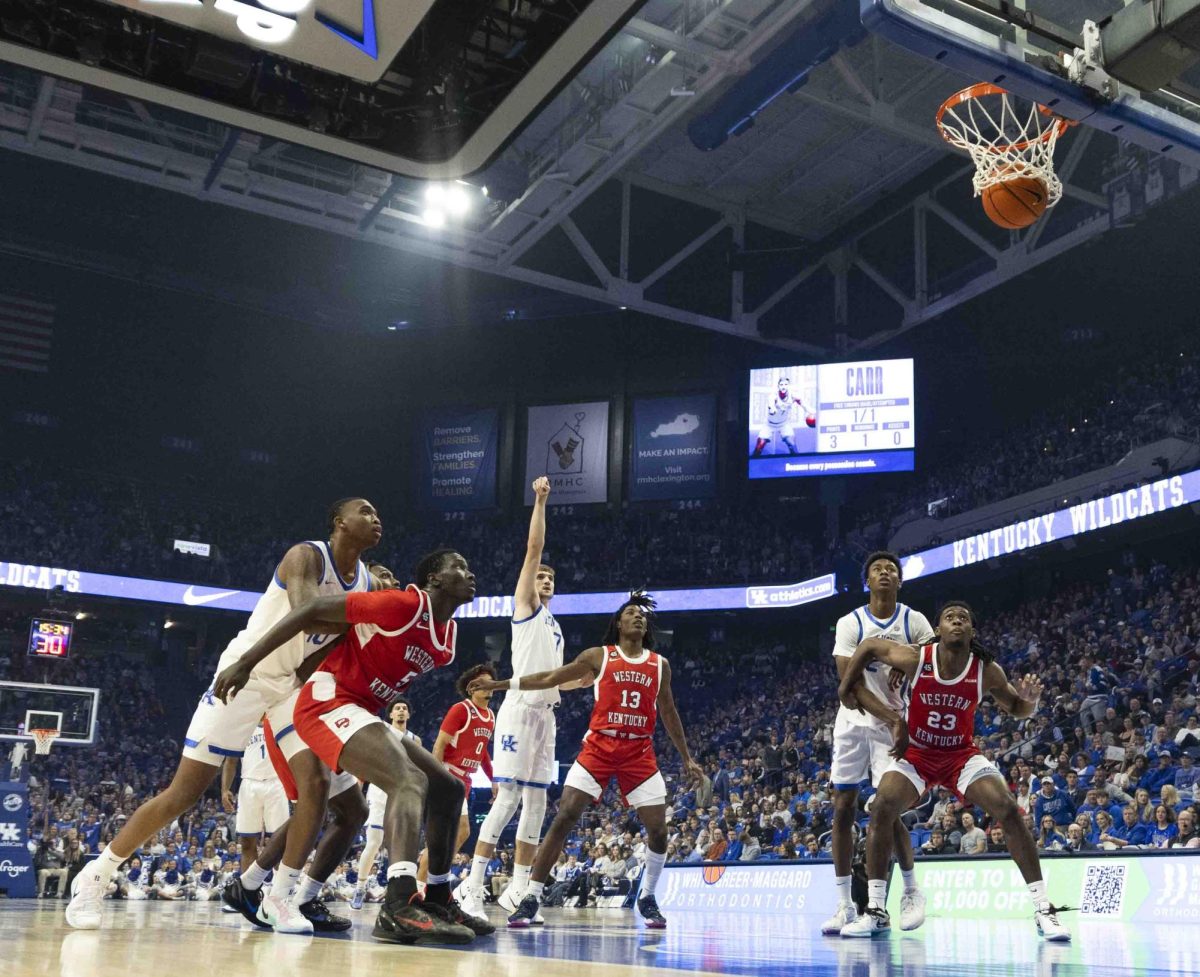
point(277, 672)
point(941, 712)
point(470, 730)
point(394, 639)
point(626, 693)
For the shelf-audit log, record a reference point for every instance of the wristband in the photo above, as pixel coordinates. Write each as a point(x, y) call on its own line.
point(514, 684)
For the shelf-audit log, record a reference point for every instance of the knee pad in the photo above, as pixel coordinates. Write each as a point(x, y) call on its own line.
point(533, 814)
point(503, 808)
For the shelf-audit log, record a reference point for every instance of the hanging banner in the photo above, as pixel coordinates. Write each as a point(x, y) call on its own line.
point(569, 444)
point(457, 459)
point(674, 448)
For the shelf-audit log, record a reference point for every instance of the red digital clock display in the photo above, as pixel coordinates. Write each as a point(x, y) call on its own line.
point(50, 639)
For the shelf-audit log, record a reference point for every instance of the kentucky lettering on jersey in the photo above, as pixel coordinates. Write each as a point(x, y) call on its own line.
point(889, 685)
point(626, 693)
point(537, 646)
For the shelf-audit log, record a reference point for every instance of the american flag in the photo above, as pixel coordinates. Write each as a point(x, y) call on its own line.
point(25, 330)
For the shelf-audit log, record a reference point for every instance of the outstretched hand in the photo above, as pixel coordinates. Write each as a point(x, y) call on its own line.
point(899, 730)
point(1029, 687)
point(541, 487)
point(483, 684)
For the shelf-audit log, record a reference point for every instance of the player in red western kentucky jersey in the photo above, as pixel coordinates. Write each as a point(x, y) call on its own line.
point(396, 635)
point(632, 686)
point(948, 681)
point(462, 744)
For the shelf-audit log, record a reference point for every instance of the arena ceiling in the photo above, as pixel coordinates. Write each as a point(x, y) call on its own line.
point(834, 220)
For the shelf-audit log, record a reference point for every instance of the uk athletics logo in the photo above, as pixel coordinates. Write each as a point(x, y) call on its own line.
point(508, 744)
point(9, 831)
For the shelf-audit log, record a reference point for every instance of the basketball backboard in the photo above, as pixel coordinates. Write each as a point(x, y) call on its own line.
point(1069, 55)
point(71, 709)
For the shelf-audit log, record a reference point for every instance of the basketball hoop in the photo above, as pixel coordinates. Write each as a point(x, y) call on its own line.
point(1003, 139)
point(43, 739)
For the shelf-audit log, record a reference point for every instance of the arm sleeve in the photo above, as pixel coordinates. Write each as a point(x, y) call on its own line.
point(456, 720)
point(391, 609)
point(848, 635)
point(919, 629)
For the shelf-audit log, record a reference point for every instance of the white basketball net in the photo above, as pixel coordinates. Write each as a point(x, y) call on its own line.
point(43, 739)
point(1005, 139)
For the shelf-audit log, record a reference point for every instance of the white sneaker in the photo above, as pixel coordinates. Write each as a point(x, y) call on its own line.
point(86, 906)
point(470, 900)
point(283, 915)
point(1049, 927)
point(912, 910)
point(510, 898)
point(846, 913)
point(870, 923)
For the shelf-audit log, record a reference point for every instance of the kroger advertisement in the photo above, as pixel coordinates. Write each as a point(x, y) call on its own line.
point(674, 448)
point(457, 459)
point(831, 419)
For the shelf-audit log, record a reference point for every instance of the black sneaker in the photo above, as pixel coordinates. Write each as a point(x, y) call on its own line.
point(454, 913)
point(648, 907)
point(525, 913)
point(409, 923)
point(245, 901)
point(323, 921)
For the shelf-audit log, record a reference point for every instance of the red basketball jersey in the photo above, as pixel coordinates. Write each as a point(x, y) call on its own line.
point(394, 639)
point(470, 730)
point(627, 693)
point(941, 711)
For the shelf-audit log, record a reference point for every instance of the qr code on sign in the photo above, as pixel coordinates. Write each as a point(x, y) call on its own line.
point(1103, 890)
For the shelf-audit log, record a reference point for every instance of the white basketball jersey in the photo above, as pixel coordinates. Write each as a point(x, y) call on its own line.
point(906, 627)
point(277, 672)
point(256, 762)
point(537, 646)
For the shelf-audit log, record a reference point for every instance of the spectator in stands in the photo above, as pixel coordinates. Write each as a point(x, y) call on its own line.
point(1052, 802)
point(51, 863)
point(1103, 826)
point(1187, 777)
point(996, 842)
point(1187, 836)
point(951, 831)
point(1077, 839)
point(717, 846)
point(1129, 832)
point(751, 849)
point(1049, 838)
point(1074, 789)
point(1143, 805)
point(1161, 775)
point(1164, 829)
point(973, 840)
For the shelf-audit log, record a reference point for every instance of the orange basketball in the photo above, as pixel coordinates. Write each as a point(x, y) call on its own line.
point(1015, 202)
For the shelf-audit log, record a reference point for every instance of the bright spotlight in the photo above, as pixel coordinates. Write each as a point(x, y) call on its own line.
point(433, 217)
point(457, 201)
point(435, 193)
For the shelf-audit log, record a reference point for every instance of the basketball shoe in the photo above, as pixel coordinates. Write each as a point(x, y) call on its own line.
point(455, 913)
point(525, 913)
point(322, 920)
point(470, 899)
point(510, 900)
point(86, 907)
point(648, 907)
point(912, 910)
point(1048, 926)
point(242, 900)
point(410, 923)
point(356, 900)
point(283, 915)
point(873, 921)
point(845, 913)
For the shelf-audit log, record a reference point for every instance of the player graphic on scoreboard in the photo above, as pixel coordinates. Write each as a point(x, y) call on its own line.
point(784, 410)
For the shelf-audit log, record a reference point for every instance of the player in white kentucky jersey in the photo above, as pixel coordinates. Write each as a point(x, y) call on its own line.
point(783, 410)
point(219, 729)
point(523, 755)
point(262, 804)
point(862, 741)
point(399, 714)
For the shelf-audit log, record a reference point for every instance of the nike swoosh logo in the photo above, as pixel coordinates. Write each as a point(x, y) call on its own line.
point(192, 599)
point(414, 922)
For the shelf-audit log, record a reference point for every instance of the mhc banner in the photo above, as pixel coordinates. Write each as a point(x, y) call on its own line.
point(569, 444)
